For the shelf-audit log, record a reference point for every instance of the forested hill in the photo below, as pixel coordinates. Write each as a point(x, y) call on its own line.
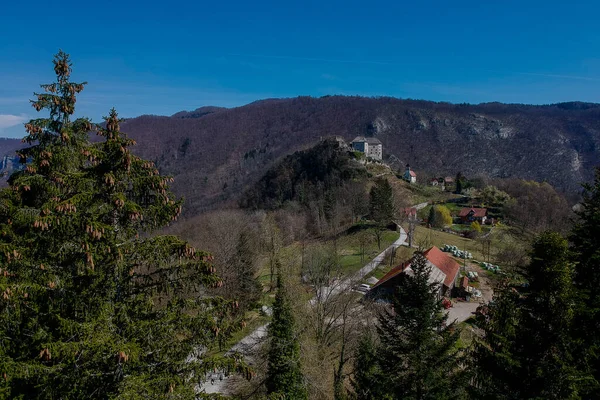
point(216, 153)
point(306, 177)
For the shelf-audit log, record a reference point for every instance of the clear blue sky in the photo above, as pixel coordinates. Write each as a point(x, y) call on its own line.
point(160, 58)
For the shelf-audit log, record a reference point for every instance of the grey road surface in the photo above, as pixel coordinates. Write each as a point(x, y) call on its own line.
point(217, 383)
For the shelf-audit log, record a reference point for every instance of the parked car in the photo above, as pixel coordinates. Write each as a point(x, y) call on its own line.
point(363, 288)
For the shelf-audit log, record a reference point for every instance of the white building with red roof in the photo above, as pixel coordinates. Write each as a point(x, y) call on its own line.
point(409, 175)
point(468, 215)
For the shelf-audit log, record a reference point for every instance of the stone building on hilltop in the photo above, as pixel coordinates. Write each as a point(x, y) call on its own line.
point(370, 146)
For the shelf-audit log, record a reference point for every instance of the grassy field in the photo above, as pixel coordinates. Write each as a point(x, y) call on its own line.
point(426, 237)
point(403, 253)
point(348, 248)
point(423, 193)
point(501, 238)
point(350, 255)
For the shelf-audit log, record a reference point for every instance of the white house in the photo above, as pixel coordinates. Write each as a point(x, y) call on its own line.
point(409, 175)
point(370, 146)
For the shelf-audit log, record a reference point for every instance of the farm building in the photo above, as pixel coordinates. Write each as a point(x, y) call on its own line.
point(468, 215)
point(444, 271)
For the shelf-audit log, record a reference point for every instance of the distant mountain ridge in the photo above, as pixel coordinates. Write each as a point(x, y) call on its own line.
point(199, 112)
point(214, 153)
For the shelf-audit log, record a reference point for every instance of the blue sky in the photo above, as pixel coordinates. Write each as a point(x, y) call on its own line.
point(160, 58)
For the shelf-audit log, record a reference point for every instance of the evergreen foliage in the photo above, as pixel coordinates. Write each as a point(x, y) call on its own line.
point(459, 183)
point(417, 357)
point(284, 376)
point(527, 349)
point(381, 207)
point(92, 306)
point(369, 380)
point(431, 218)
point(585, 237)
point(494, 364)
point(381, 202)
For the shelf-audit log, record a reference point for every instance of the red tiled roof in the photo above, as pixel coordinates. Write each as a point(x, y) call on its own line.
point(398, 269)
point(464, 282)
point(444, 263)
point(435, 256)
point(477, 212)
point(412, 173)
point(410, 211)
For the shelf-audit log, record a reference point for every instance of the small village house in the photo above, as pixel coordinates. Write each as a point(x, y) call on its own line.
point(444, 271)
point(409, 213)
point(447, 182)
point(370, 146)
point(409, 175)
point(469, 215)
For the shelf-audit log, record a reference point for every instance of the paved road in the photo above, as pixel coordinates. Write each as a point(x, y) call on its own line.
point(377, 260)
point(349, 282)
point(421, 205)
point(247, 346)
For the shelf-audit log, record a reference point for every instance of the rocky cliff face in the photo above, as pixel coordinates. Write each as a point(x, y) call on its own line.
point(215, 153)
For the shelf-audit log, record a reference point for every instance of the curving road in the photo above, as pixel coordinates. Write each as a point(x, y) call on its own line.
point(217, 383)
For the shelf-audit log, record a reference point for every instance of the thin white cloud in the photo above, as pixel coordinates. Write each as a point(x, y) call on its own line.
point(8, 120)
point(576, 77)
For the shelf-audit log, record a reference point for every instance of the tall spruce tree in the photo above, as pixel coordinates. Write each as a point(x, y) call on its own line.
point(284, 376)
point(431, 220)
point(369, 380)
point(494, 360)
point(527, 349)
point(381, 204)
point(381, 207)
point(459, 183)
point(585, 237)
point(91, 305)
point(417, 356)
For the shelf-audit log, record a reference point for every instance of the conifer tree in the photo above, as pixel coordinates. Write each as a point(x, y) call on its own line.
point(527, 350)
point(92, 305)
point(245, 268)
point(494, 359)
point(459, 183)
point(284, 375)
point(431, 220)
point(381, 202)
point(381, 206)
point(585, 237)
point(368, 381)
point(417, 355)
